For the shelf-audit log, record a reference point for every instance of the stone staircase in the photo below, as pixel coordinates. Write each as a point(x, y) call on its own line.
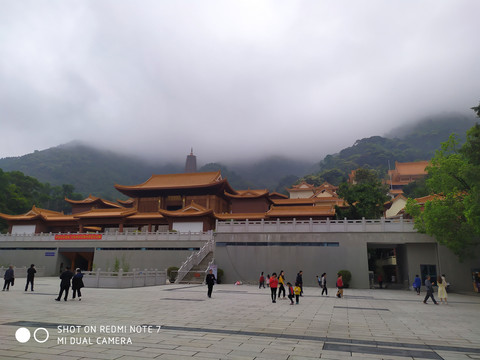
point(196, 275)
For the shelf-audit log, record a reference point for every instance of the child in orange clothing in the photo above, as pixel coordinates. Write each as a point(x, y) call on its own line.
point(297, 290)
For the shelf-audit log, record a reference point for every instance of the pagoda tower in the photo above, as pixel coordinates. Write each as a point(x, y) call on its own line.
point(191, 163)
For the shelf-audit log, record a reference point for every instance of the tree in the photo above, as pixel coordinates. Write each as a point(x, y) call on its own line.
point(417, 188)
point(454, 218)
point(365, 198)
point(18, 193)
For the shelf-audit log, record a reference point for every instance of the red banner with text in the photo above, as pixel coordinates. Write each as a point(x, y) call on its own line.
point(78, 237)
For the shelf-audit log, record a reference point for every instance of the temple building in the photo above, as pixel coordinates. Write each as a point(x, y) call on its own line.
point(404, 174)
point(186, 202)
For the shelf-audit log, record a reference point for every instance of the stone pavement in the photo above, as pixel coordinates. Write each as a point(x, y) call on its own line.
point(239, 322)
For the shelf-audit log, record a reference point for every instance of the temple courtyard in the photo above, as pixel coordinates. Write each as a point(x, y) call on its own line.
point(238, 322)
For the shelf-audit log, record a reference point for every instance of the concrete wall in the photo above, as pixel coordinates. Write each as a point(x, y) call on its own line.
point(27, 255)
point(244, 255)
point(146, 259)
point(245, 263)
point(143, 254)
point(458, 274)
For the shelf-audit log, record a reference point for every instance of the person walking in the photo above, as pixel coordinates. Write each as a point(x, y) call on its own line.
point(9, 278)
point(65, 277)
point(429, 288)
point(339, 286)
point(77, 284)
point(297, 291)
point(442, 289)
point(261, 281)
point(30, 276)
point(281, 283)
point(299, 281)
point(273, 287)
point(417, 284)
point(323, 284)
point(291, 293)
point(210, 281)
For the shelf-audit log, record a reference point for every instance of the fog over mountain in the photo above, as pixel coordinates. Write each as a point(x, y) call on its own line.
point(233, 79)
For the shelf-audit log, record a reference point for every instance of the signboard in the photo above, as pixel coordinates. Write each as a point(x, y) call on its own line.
point(49, 253)
point(78, 237)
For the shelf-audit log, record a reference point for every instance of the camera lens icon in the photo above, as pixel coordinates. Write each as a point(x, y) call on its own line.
point(40, 335)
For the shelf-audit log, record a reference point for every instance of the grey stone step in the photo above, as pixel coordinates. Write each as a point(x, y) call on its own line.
point(197, 274)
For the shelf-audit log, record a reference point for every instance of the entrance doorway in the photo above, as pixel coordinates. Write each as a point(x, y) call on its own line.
point(426, 270)
point(388, 264)
point(77, 258)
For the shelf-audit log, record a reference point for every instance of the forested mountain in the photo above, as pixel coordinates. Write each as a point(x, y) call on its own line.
point(411, 143)
point(93, 171)
point(89, 170)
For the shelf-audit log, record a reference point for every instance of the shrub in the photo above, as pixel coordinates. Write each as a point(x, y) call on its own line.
point(172, 273)
point(219, 275)
point(346, 277)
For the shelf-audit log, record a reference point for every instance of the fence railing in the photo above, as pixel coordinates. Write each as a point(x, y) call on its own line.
point(21, 271)
point(109, 236)
point(123, 279)
point(194, 259)
point(364, 225)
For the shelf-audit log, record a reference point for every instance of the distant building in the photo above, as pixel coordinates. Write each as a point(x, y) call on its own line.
point(404, 174)
point(186, 202)
point(191, 163)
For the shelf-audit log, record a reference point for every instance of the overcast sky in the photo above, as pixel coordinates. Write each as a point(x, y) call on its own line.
point(230, 78)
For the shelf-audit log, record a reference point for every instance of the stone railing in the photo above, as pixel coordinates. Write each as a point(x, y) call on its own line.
point(123, 279)
point(21, 272)
point(194, 259)
point(378, 225)
point(133, 236)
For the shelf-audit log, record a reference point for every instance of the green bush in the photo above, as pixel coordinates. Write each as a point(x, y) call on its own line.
point(219, 275)
point(172, 273)
point(346, 277)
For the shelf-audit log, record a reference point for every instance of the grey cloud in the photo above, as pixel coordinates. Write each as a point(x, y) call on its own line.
point(231, 79)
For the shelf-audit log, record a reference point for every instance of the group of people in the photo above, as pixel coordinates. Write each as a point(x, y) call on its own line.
point(322, 282)
point(278, 282)
point(9, 277)
point(442, 288)
point(68, 278)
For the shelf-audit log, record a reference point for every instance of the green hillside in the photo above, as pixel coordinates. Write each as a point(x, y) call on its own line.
point(93, 171)
point(415, 142)
point(89, 170)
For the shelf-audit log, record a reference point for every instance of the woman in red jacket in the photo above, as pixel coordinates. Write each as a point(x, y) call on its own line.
point(273, 287)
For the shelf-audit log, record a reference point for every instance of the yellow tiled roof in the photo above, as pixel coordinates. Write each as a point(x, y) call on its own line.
point(169, 181)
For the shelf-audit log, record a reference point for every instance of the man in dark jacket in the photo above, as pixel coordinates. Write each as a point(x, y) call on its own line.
point(77, 284)
point(210, 280)
point(429, 288)
point(9, 278)
point(65, 283)
point(30, 276)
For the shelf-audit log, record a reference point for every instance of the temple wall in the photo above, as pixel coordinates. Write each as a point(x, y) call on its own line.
point(243, 256)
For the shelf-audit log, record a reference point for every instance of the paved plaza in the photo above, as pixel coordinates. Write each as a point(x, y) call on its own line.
point(238, 322)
